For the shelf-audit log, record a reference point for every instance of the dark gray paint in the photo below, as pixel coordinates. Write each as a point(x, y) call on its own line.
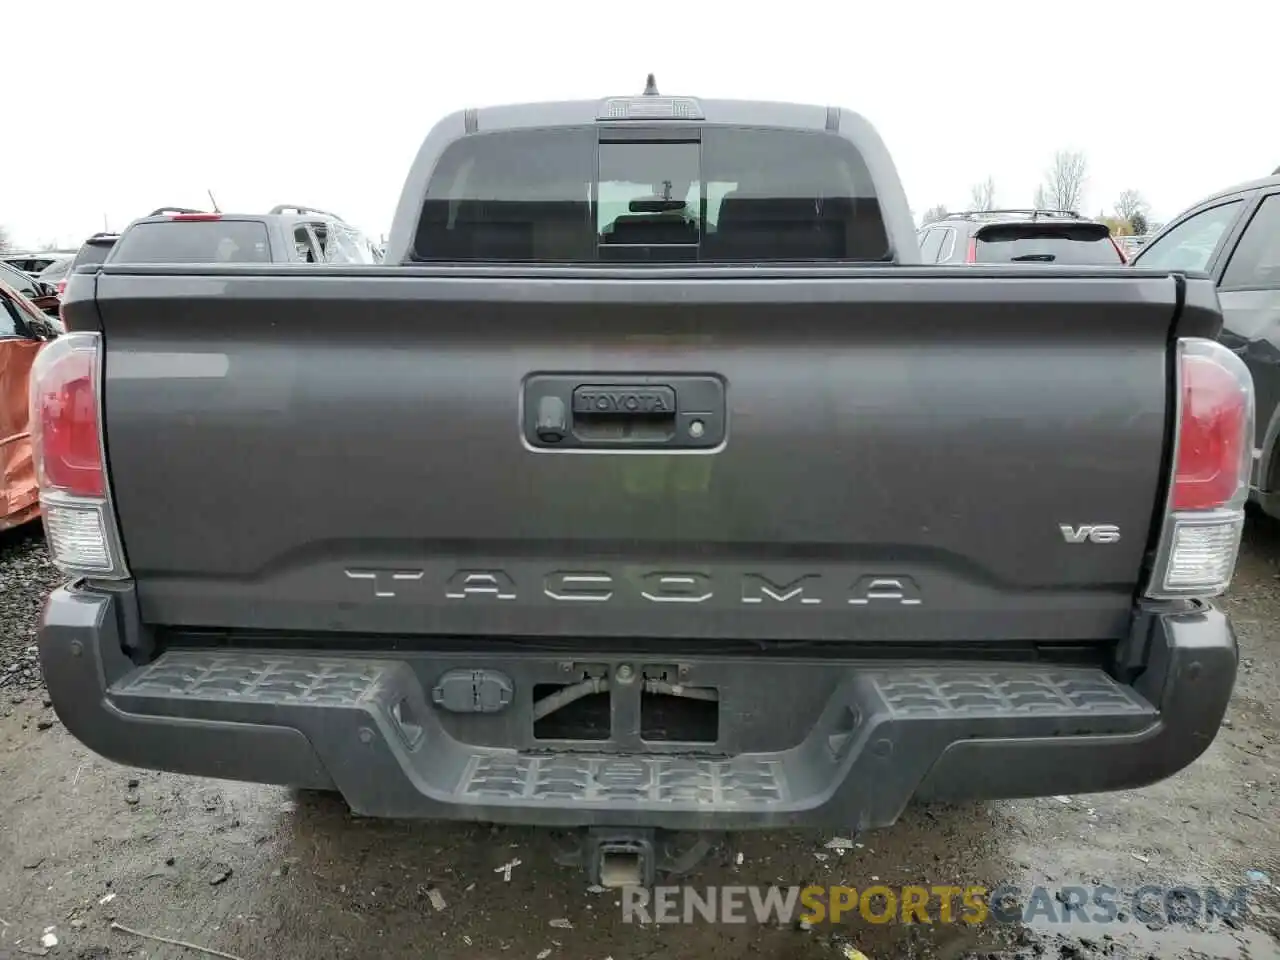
point(1251, 326)
point(269, 431)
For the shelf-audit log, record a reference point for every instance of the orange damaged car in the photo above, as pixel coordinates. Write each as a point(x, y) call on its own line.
point(23, 330)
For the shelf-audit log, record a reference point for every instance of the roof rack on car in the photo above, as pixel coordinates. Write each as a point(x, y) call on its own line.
point(298, 208)
point(162, 211)
point(1032, 213)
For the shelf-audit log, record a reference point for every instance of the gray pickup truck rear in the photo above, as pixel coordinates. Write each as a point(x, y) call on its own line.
point(606, 507)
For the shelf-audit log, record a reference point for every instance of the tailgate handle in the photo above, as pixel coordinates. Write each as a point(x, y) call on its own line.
point(651, 412)
point(624, 413)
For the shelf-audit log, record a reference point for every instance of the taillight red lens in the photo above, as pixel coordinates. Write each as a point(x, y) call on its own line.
point(1213, 436)
point(62, 287)
point(196, 216)
point(64, 417)
point(972, 255)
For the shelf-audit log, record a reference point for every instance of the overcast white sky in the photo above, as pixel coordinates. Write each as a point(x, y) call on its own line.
point(131, 104)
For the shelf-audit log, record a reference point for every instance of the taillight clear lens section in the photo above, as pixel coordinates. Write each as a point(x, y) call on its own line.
point(66, 434)
point(1210, 484)
point(1203, 552)
point(77, 535)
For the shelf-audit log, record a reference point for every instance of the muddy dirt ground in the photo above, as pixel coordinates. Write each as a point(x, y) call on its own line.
point(259, 872)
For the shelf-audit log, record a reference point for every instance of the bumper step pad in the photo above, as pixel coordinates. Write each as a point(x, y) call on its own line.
point(632, 779)
point(880, 725)
point(823, 744)
point(873, 742)
point(282, 681)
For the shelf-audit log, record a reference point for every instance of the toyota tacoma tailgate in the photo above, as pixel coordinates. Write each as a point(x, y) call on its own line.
point(656, 485)
point(882, 457)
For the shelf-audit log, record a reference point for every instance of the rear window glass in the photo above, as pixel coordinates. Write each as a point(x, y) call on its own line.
point(721, 194)
point(194, 241)
point(1082, 245)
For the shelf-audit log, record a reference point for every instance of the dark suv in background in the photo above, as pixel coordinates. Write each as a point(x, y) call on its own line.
point(1234, 236)
point(1018, 236)
point(92, 251)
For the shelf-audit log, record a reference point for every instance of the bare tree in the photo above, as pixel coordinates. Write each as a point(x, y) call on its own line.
point(982, 196)
point(1131, 203)
point(934, 213)
point(1063, 188)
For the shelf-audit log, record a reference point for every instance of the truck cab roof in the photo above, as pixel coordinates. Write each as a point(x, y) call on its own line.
point(650, 178)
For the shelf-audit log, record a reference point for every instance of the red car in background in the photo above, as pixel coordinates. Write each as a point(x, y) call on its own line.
point(24, 329)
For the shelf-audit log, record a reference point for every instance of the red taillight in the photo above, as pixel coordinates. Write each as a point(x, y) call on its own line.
point(196, 216)
point(972, 255)
point(79, 524)
point(1214, 430)
point(62, 287)
point(1204, 514)
point(64, 417)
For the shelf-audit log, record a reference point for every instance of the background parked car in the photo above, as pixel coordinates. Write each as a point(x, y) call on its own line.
point(57, 270)
point(35, 262)
point(43, 296)
point(23, 330)
point(1234, 236)
point(1018, 236)
point(92, 251)
point(286, 234)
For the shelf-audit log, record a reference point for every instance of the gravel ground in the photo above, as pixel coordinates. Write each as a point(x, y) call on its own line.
point(25, 579)
point(260, 872)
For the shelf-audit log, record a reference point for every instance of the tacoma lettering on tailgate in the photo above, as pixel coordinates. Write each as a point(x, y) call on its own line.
point(654, 586)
